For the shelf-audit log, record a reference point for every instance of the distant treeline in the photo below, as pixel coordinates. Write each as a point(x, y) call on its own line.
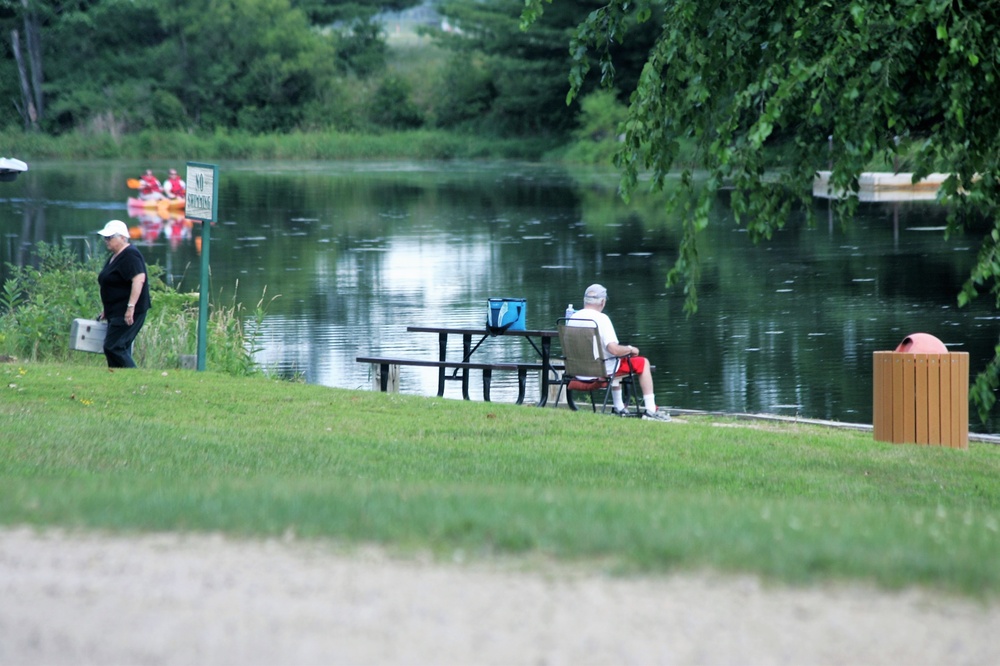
point(228, 72)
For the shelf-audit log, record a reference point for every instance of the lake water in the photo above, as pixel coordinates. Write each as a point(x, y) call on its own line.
point(352, 253)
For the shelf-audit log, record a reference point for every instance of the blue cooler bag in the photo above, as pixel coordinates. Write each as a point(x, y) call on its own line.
point(505, 314)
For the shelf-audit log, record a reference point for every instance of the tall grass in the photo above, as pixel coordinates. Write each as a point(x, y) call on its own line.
point(416, 144)
point(180, 450)
point(39, 303)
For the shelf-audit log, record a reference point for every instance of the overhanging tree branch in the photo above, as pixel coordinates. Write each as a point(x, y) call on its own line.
point(909, 79)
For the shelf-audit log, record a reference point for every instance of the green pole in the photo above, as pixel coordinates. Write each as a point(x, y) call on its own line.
point(206, 237)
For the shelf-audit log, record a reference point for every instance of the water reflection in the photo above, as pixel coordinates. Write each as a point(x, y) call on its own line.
point(149, 226)
point(356, 252)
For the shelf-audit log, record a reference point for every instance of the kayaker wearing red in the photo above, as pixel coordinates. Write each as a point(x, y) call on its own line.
point(175, 187)
point(149, 187)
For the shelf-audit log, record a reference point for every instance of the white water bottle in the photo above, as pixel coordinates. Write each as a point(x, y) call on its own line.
point(569, 311)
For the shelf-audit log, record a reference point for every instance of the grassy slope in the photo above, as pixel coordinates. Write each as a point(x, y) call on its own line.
point(146, 450)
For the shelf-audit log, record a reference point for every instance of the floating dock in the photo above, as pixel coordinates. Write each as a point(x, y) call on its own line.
point(877, 186)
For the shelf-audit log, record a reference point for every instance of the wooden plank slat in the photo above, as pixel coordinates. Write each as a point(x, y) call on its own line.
point(959, 434)
point(909, 398)
point(963, 404)
point(888, 399)
point(920, 401)
point(947, 402)
point(882, 396)
point(898, 414)
point(934, 365)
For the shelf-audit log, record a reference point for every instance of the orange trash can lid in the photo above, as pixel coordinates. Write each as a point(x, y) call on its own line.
point(921, 343)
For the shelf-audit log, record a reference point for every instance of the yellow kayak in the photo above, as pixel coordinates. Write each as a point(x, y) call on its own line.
point(156, 204)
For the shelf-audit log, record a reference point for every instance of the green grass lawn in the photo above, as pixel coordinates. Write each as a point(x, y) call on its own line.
point(148, 450)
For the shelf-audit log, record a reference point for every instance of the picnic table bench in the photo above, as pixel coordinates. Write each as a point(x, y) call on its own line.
point(461, 374)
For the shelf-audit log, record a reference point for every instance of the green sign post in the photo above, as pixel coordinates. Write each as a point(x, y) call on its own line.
point(202, 203)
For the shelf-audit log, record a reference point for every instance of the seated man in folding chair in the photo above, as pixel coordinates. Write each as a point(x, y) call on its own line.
point(594, 300)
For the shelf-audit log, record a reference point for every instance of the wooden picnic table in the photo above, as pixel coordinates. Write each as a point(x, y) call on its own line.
point(543, 347)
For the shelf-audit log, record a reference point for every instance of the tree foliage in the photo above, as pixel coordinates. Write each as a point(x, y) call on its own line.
point(524, 72)
point(117, 67)
point(121, 66)
point(911, 78)
point(253, 65)
point(326, 12)
point(360, 46)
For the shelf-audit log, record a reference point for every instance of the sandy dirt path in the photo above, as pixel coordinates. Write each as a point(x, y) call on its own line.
point(84, 598)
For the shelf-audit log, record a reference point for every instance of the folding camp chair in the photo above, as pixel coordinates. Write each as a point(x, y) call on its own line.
point(585, 368)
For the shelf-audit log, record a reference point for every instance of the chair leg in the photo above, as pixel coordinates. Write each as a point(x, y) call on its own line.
point(607, 394)
point(570, 401)
point(569, 398)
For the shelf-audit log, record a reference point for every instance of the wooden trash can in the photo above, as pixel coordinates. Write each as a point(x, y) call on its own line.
point(921, 398)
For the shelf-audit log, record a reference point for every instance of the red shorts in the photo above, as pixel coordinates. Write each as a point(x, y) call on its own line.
point(636, 363)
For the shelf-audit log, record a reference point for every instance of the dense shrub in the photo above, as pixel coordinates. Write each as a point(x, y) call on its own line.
point(39, 303)
point(391, 106)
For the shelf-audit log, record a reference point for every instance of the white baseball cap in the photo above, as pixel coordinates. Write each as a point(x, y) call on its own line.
point(114, 228)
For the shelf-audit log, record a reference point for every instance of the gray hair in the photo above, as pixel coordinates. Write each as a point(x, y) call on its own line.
point(595, 294)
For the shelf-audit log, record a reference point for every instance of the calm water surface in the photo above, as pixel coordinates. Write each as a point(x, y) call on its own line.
point(346, 255)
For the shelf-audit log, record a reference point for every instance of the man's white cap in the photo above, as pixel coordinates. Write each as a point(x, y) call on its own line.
point(114, 228)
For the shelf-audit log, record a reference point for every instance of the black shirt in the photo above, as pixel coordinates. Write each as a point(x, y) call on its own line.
point(116, 283)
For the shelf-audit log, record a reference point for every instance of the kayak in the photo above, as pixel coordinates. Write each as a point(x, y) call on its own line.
point(169, 204)
point(161, 214)
point(10, 168)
